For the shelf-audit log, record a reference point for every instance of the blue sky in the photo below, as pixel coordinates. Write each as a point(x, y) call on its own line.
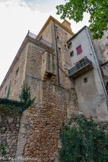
point(19, 16)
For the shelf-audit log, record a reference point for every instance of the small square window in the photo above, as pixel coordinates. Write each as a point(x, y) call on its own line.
point(59, 50)
point(79, 50)
point(85, 80)
point(57, 37)
point(17, 71)
point(71, 54)
point(69, 45)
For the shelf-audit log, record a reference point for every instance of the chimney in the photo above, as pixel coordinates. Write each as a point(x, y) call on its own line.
point(67, 24)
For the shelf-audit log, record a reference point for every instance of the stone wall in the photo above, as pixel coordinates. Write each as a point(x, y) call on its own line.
point(64, 56)
point(34, 60)
point(28, 59)
point(9, 129)
point(15, 77)
point(103, 43)
point(40, 124)
point(47, 35)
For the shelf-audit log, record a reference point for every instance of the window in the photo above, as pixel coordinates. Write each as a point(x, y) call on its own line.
point(59, 50)
point(107, 87)
point(69, 45)
point(57, 37)
point(17, 71)
point(71, 54)
point(85, 80)
point(79, 50)
point(107, 44)
point(55, 27)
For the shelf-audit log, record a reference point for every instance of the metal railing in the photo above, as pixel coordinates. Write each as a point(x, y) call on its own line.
point(30, 34)
point(80, 66)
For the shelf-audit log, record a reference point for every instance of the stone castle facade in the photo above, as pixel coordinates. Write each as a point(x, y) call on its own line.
point(45, 63)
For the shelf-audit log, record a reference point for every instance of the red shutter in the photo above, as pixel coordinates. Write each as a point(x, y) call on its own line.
point(79, 50)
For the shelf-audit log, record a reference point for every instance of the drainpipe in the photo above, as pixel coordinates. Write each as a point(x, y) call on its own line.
point(98, 67)
point(58, 73)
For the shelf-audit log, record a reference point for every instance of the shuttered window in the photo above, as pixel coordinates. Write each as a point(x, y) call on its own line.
point(79, 50)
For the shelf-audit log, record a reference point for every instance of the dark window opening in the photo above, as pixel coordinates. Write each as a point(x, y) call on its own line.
point(49, 76)
point(107, 87)
point(55, 27)
point(79, 50)
point(71, 54)
point(17, 71)
point(59, 50)
point(57, 37)
point(107, 44)
point(85, 80)
point(69, 45)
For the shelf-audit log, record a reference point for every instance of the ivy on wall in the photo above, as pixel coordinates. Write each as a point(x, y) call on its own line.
point(83, 141)
point(20, 106)
point(2, 147)
point(10, 107)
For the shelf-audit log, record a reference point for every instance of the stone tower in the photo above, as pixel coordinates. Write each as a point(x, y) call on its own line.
point(42, 62)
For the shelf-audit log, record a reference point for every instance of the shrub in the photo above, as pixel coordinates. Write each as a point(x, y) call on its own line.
point(20, 106)
point(83, 141)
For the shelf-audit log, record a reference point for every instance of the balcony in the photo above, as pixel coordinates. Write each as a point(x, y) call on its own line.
point(82, 67)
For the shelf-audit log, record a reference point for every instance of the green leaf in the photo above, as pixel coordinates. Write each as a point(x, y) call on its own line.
point(98, 10)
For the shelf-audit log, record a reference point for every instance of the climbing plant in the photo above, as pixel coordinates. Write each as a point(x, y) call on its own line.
point(20, 106)
point(12, 107)
point(83, 141)
point(2, 148)
point(25, 94)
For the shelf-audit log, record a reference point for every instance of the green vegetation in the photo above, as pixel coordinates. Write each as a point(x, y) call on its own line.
point(98, 10)
point(19, 106)
point(13, 108)
point(2, 148)
point(83, 141)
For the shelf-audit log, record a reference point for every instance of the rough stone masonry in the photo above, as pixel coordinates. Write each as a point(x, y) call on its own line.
point(37, 134)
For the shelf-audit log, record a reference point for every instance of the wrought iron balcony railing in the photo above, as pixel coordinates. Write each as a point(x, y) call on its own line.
point(80, 68)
